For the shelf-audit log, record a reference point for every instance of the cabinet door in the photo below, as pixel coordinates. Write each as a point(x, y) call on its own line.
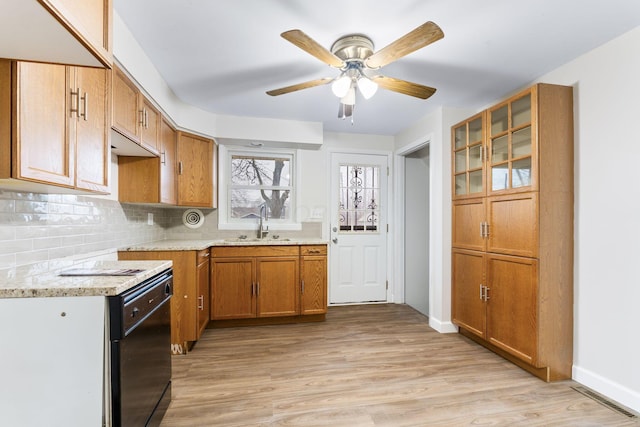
point(513, 145)
point(150, 126)
point(167, 164)
point(92, 149)
point(232, 288)
point(278, 286)
point(195, 170)
point(202, 279)
point(469, 308)
point(468, 158)
point(45, 150)
point(513, 224)
point(512, 321)
point(125, 117)
point(313, 282)
point(468, 224)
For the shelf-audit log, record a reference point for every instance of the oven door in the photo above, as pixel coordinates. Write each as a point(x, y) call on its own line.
point(141, 372)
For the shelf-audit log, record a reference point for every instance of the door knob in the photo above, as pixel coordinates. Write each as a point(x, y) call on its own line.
point(334, 240)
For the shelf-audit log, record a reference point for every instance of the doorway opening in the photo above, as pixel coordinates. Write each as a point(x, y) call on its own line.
point(416, 228)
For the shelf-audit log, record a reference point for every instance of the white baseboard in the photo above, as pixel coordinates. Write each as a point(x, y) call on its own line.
point(442, 327)
point(614, 391)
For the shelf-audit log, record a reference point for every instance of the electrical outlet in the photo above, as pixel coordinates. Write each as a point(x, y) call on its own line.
point(149, 218)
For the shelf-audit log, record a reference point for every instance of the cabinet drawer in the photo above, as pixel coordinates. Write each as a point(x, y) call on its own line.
point(313, 250)
point(262, 251)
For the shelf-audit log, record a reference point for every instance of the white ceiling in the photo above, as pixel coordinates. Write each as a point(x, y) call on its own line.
point(222, 55)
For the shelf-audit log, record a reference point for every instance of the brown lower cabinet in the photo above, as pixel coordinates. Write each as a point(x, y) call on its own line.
point(495, 298)
point(313, 279)
point(190, 301)
point(254, 282)
point(223, 285)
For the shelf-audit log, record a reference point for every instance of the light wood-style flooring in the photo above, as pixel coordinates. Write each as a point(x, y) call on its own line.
point(367, 365)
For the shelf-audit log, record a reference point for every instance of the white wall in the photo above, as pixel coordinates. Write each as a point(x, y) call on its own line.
point(606, 84)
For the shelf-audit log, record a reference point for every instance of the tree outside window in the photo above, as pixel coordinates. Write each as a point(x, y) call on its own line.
point(257, 181)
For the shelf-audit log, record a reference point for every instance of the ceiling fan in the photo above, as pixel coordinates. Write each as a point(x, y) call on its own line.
point(353, 55)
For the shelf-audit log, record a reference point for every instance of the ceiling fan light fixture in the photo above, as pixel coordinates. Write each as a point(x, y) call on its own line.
point(367, 87)
point(340, 86)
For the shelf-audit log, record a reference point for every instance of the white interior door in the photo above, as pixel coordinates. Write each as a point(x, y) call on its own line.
point(358, 261)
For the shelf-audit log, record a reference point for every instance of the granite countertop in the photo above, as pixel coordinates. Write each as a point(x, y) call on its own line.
point(51, 284)
point(196, 245)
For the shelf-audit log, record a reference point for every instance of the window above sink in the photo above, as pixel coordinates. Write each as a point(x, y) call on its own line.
point(252, 181)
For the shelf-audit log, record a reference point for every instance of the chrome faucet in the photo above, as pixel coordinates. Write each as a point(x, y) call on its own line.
point(263, 229)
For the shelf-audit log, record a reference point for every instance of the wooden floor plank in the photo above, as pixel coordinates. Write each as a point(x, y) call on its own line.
point(370, 366)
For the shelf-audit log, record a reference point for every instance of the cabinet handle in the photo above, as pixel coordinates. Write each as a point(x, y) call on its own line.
point(141, 120)
point(163, 158)
point(481, 292)
point(486, 293)
point(253, 289)
point(179, 168)
point(484, 229)
point(302, 287)
point(314, 251)
point(146, 119)
point(85, 106)
point(201, 302)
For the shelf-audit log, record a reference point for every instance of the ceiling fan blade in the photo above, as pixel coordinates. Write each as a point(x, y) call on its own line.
point(299, 86)
point(425, 34)
point(312, 47)
point(404, 87)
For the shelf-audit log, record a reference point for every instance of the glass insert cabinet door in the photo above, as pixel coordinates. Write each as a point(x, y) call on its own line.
point(511, 146)
point(359, 208)
point(468, 157)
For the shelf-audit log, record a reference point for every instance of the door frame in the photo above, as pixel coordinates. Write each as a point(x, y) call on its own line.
point(389, 212)
point(399, 212)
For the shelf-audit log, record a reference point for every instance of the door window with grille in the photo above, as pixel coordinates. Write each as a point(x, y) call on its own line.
point(359, 206)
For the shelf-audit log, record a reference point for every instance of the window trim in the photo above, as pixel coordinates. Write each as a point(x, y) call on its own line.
point(224, 221)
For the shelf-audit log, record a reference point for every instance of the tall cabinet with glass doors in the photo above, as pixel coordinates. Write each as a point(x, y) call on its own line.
point(512, 237)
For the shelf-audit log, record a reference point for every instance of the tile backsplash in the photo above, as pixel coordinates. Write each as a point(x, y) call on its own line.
point(37, 230)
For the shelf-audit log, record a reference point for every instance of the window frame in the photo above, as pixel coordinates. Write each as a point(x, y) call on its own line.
point(225, 222)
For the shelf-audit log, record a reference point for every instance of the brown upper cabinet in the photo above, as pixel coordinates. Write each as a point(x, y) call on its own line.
point(183, 174)
point(81, 32)
point(503, 149)
point(134, 116)
point(54, 126)
point(196, 171)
